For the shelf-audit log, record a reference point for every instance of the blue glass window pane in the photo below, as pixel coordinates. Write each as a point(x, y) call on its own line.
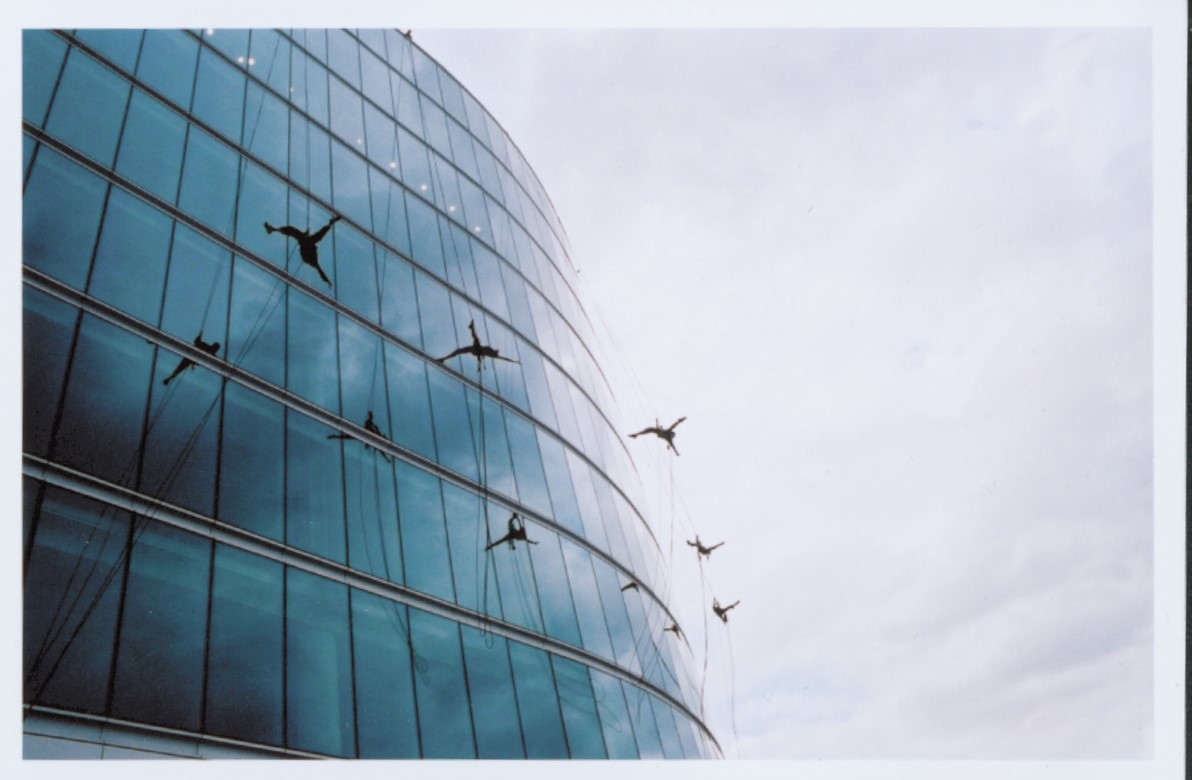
point(61, 211)
point(584, 736)
point(475, 579)
point(167, 64)
point(461, 149)
point(310, 161)
point(619, 628)
point(381, 139)
point(439, 334)
point(409, 401)
point(263, 198)
point(476, 118)
point(355, 272)
point(456, 416)
point(399, 304)
point(315, 42)
point(527, 464)
point(267, 128)
point(497, 466)
point(425, 242)
point(510, 383)
point(492, 288)
point(585, 494)
point(612, 523)
point(209, 181)
point(28, 145)
point(315, 76)
point(666, 728)
point(373, 544)
point(343, 56)
point(446, 188)
point(159, 666)
point(491, 181)
point(554, 593)
point(386, 720)
point(314, 488)
point(119, 46)
point(347, 119)
point(426, 74)
point(515, 574)
point(72, 533)
point(269, 59)
point(48, 328)
point(151, 149)
point(641, 715)
point(130, 262)
point(104, 408)
point(232, 42)
point(362, 376)
point(244, 662)
point(461, 272)
point(350, 182)
point(256, 336)
point(558, 478)
point(542, 725)
point(371, 38)
point(614, 716)
point(490, 684)
point(42, 53)
point(423, 534)
point(440, 687)
point(180, 447)
point(312, 351)
point(406, 104)
point(251, 454)
point(453, 99)
point(219, 94)
point(537, 388)
point(560, 392)
point(319, 709)
point(389, 212)
point(374, 78)
point(686, 737)
point(200, 270)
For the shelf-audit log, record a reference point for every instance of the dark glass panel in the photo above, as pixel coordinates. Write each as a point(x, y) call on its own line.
point(399, 304)
point(614, 716)
point(355, 272)
point(490, 685)
point(48, 328)
point(219, 94)
point(584, 737)
point(263, 199)
point(542, 725)
point(251, 453)
point(350, 182)
point(554, 592)
point(159, 666)
point(209, 181)
point(527, 464)
point(180, 448)
point(28, 146)
point(314, 488)
point(409, 401)
point(61, 211)
point(456, 416)
point(42, 53)
point(104, 409)
point(343, 56)
point(151, 149)
point(441, 689)
point(244, 662)
point(130, 261)
point(167, 64)
point(423, 535)
point(472, 567)
point(588, 608)
point(319, 709)
point(267, 128)
point(386, 720)
point(558, 478)
point(73, 579)
point(200, 270)
point(311, 351)
point(373, 544)
point(256, 337)
point(88, 107)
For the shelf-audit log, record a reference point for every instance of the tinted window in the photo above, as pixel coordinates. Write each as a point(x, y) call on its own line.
point(355, 272)
point(373, 544)
point(475, 579)
point(88, 107)
point(456, 414)
point(614, 716)
point(588, 609)
point(314, 488)
point(130, 261)
point(542, 725)
point(267, 127)
point(494, 707)
point(209, 181)
point(527, 464)
point(409, 401)
point(423, 534)
point(362, 376)
point(256, 323)
point(343, 56)
point(584, 737)
point(554, 593)
point(48, 330)
point(350, 181)
point(389, 213)
point(387, 722)
point(151, 149)
point(219, 94)
point(399, 305)
point(42, 53)
point(319, 709)
point(441, 689)
point(347, 121)
point(198, 276)
point(312, 351)
point(167, 64)
point(251, 453)
point(61, 211)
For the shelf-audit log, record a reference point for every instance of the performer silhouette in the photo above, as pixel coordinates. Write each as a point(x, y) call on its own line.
point(630, 586)
point(722, 612)
point(210, 349)
point(666, 434)
point(370, 425)
point(308, 243)
point(481, 351)
point(517, 533)
point(674, 629)
point(700, 549)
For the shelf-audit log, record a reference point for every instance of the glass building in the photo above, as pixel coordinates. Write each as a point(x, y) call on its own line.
point(262, 516)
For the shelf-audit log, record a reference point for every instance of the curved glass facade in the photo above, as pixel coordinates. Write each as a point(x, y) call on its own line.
point(257, 503)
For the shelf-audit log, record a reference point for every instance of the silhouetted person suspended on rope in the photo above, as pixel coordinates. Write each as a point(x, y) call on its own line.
point(700, 549)
point(630, 586)
point(517, 533)
point(370, 425)
point(481, 351)
point(666, 434)
point(674, 629)
point(308, 243)
point(722, 612)
point(210, 349)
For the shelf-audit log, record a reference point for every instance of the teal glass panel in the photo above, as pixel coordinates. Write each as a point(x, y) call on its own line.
point(527, 464)
point(310, 161)
point(446, 725)
point(159, 664)
point(585, 495)
point(611, 521)
point(374, 79)
point(219, 94)
point(439, 334)
point(584, 735)
point(347, 117)
point(423, 533)
point(496, 470)
point(686, 737)
point(355, 272)
point(232, 42)
point(252, 457)
point(373, 544)
point(386, 719)
point(492, 288)
point(446, 188)
point(560, 392)
point(130, 262)
point(641, 716)
point(614, 716)
point(151, 149)
point(209, 180)
point(196, 300)
point(409, 401)
point(269, 59)
point(456, 411)
point(312, 351)
point(426, 74)
point(490, 685)
point(61, 211)
point(620, 630)
point(588, 609)
point(491, 181)
point(434, 120)
point(28, 146)
point(554, 592)
point(399, 302)
point(316, 91)
point(48, 329)
point(415, 165)
point(314, 488)
point(515, 574)
point(263, 198)
point(42, 53)
point(319, 690)
point(457, 254)
point(256, 323)
point(118, 46)
point(68, 650)
point(180, 447)
point(381, 140)
point(315, 42)
point(371, 38)
point(244, 657)
point(461, 149)
point(350, 182)
point(538, 702)
point(471, 565)
point(343, 56)
point(534, 374)
point(167, 64)
point(453, 99)
point(558, 478)
point(665, 719)
point(104, 407)
point(476, 118)
point(88, 107)
point(267, 128)
point(362, 376)
point(389, 212)
point(409, 112)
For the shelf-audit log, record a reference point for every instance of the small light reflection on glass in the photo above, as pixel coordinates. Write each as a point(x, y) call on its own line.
point(422, 187)
point(210, 31)
point(451, 209)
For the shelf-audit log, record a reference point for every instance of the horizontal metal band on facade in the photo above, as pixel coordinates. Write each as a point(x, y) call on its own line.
point(225, 533)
